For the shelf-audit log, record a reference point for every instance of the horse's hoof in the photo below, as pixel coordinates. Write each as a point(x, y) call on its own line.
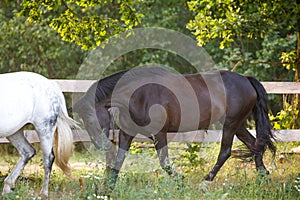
point(209, 177)
point(263, 170)
point(43, 196)
point(6, 189)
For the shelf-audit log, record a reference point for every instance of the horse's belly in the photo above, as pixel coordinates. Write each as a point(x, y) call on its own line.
point(16, 106)
point(8, 129)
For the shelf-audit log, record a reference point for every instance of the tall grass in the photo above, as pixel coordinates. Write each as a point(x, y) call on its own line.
point(142, 178)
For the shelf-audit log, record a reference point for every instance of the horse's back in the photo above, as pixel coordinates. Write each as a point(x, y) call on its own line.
point(23, 95)
point(21, 85)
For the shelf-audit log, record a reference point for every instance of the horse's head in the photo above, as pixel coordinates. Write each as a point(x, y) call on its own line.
point(96, 120)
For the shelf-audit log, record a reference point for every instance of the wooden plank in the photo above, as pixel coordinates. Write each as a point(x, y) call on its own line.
point(271, 87)
point(81, 136)
point(193, 136)
point(74, 85)
point(31, 135)
point(288, 135)
point(3, 140)
point(282, 87)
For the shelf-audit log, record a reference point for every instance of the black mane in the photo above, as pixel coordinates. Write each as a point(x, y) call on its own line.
point(106, 85)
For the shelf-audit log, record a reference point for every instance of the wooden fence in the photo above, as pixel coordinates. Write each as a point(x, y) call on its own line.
point(77, 86)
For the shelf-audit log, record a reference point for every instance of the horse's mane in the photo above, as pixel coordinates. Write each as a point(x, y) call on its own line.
point(106, 85)
point(103, 88)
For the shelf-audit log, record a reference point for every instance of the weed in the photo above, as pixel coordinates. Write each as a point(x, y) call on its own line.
point(236, 180)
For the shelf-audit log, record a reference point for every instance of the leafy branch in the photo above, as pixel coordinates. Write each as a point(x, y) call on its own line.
point(87, 23)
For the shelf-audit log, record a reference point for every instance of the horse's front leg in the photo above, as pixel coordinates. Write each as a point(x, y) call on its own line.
point(110, 163)
point(161, 147)
point(225, 151)
point(26, 152)
point(111, 157)
point(113, 171)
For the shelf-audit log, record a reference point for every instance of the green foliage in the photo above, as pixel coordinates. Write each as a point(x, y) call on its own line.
point(259, 58)
point(88, 23)
point(288, 60)
point(82, 25)
point(170, 14)
point(287, 118)
point(191, 154)
point(34, 47)
point(141, 147)
point(229, 19)
point(297, 181)
point(250, 35)
point(157, 14)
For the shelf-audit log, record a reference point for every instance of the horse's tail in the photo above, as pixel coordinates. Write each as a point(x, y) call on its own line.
point(264, 135)
point(63, 139)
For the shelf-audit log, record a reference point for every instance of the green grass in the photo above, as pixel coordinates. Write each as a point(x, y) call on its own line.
point(142, 178)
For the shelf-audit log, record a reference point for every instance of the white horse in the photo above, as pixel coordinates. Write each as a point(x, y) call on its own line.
point(29, 98)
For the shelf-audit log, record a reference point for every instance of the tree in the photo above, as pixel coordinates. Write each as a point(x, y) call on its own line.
point(34, 47)
point(242, 22)
point(170, 14)
point(87, 23)
point(81, 22)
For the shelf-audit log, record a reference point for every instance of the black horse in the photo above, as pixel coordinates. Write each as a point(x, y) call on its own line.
point(153, 101)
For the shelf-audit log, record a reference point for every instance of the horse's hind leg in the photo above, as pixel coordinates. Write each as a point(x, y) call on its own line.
point(249, 140)
point(46, 135)
point(26, 152)
point(225, 152)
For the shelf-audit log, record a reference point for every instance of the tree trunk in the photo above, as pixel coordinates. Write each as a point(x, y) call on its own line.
point(298, 49)
point(297, 71)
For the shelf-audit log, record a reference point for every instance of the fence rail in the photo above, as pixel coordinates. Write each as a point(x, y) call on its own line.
point(193, 136)
point(271, 87)
point(79, 86)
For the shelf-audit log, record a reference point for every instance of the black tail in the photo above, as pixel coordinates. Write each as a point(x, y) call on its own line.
point(264, 135)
